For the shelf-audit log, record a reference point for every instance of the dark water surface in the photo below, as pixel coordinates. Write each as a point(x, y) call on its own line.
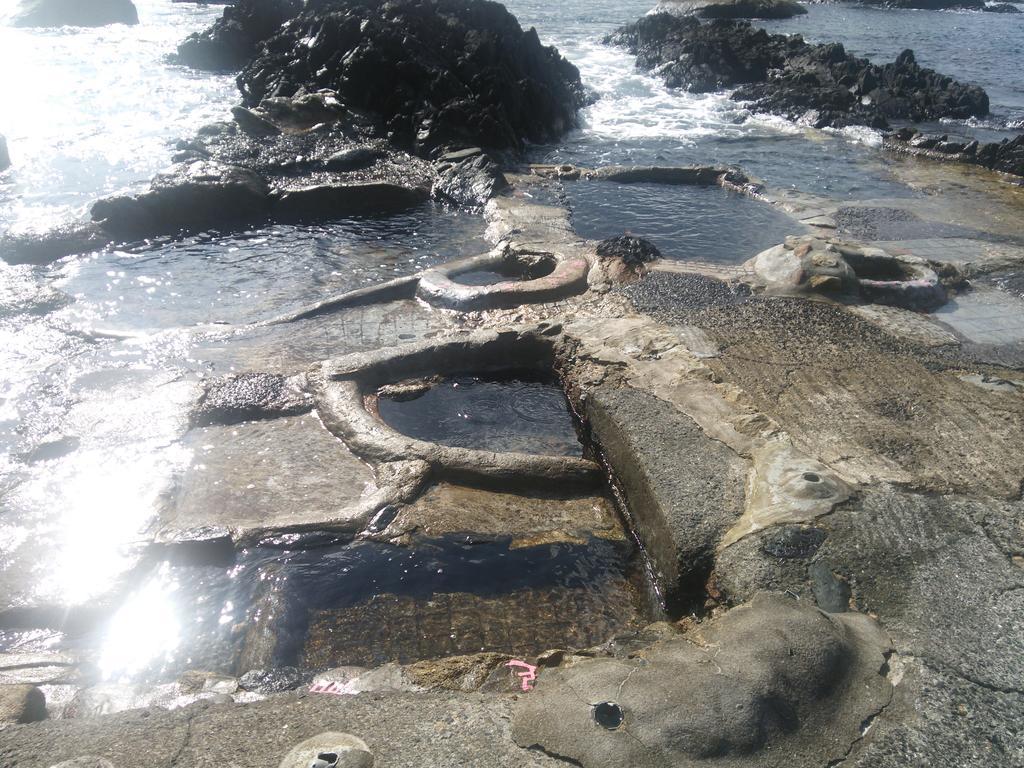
point(507, 415)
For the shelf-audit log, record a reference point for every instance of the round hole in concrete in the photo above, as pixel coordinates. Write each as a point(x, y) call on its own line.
point(608, 715)
point(811, 477)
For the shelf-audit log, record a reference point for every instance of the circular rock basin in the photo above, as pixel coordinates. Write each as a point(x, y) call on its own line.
point(514, 271)
point(513, 415)
point(685, 222)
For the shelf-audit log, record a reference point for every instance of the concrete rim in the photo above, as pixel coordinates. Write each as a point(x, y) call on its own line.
point(438, 287)
point(344, 384)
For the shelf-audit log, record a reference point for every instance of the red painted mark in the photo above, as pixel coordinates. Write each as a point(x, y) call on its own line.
point(528, 675)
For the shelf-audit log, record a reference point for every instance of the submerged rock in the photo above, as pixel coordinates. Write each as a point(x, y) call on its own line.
point(734, 9)
point(74, 13)
point(819, 85)
point(47, 247)
point(436, 72)
point(234, 38)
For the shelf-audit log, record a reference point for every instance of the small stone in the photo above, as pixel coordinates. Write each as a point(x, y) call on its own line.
point(329, 750)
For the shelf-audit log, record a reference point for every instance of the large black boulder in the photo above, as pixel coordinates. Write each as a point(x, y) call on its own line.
point(437, 73)
point(235, 37)
point(821, 85)
point(74, 13)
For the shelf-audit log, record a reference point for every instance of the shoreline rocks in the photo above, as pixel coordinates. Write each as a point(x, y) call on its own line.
point(437, 73)
point(817, 85)
point(1006, 156)
point(235, 37)
point(74, 13)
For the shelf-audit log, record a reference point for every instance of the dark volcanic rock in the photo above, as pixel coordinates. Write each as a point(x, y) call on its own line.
point(820, 85)
point(1006, 156)
point(45, 248)
point(1001, 8)
point(632, 250)
point(469, 182)
point(191, 197)
point(436, 72)
point(235, 37)
point(74, 13)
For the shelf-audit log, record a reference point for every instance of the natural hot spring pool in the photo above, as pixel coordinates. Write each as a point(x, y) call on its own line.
point(506, 415)
point(685, 222)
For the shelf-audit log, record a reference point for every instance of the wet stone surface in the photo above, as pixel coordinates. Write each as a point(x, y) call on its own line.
point(265, 474)
point(512, 415)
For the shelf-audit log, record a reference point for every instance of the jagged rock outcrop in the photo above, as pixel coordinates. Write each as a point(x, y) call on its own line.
point(437, 73)
point(235, 37)
point(1006, 156)
point(74, 13)
point(818, 85)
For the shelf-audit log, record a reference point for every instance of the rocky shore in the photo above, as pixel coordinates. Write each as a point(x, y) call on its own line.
point(326, 133)
point(558, 501)
point(817, 85)
point(1006, 156)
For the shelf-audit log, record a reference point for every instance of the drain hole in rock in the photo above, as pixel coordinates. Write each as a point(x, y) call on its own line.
point(810, 477)
point(515, 414)
point(877, 268)
point(608, 715)
point(509, 270)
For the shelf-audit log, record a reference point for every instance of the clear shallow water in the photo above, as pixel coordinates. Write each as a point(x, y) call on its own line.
point(251, 276)
point(508, 415)
point(732, 228)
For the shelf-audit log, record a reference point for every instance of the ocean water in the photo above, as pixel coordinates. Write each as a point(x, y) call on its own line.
point(99, 352)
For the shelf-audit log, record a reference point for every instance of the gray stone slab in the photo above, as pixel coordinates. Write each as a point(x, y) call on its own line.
point(402, 730)
point(267, 475)
point(684, 489)
point(985, 316)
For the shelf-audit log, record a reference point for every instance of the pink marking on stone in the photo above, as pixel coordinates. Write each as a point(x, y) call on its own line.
point(527, 676)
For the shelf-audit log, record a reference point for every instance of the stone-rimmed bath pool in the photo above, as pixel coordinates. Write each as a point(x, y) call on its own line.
point(685, 222)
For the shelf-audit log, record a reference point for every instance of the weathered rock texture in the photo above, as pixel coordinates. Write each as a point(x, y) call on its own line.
point(235, 37)
point(74, 13)
point(1006, 156)
point(435, 72)
point(684, 489)
point(821, 85)
point(773, 683)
